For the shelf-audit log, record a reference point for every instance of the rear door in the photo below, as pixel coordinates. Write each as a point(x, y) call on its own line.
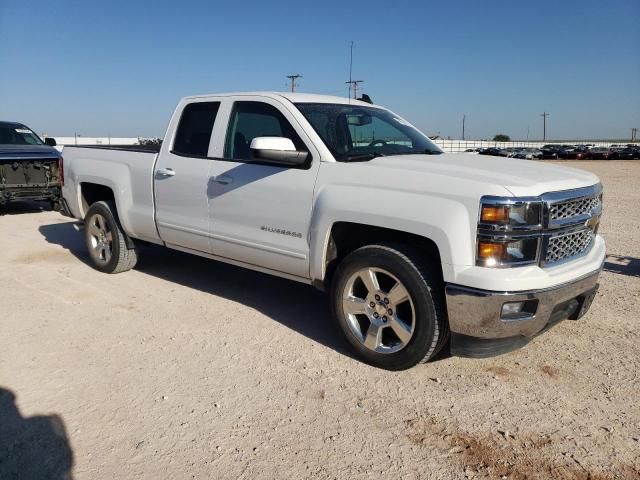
point(260, 212)
point(181, 177)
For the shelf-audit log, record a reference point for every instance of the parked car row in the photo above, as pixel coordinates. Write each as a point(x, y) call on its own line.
point(515, 152)
point(567, 152)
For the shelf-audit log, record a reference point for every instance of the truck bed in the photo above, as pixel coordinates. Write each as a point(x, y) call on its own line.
point(126, 170)
point(125, 148)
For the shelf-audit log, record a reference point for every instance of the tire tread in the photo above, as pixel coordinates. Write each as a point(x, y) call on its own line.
point(426, 272)
point(127, 257)
point(434, 284)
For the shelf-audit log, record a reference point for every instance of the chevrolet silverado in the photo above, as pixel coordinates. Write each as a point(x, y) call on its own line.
point(419, 250)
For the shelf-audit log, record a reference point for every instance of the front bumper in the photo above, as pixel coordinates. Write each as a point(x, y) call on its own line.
point(478, 328)
point(10, 193)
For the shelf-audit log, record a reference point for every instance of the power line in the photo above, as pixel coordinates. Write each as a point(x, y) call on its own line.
point(544, 116)
point(293, 79)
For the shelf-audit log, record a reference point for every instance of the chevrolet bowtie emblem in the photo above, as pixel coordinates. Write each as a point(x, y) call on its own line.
point(592, 223)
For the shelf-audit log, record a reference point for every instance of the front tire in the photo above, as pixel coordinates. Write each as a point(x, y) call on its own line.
point(108, 245)
point(388, 301)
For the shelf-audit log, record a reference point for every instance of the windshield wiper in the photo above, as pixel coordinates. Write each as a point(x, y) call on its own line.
point(420, 152)
point(363, 157)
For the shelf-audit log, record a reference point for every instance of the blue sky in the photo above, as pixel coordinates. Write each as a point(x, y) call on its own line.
point(119, 67)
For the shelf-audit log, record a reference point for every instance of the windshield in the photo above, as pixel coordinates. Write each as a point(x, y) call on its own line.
point(16, 134)
point(353, 132)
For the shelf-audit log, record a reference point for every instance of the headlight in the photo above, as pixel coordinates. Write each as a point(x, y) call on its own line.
point(520, 214)
point(496, 253)
point(508, 231)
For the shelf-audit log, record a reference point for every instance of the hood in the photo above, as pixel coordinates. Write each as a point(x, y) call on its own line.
point(17, 152)
point(520, 177)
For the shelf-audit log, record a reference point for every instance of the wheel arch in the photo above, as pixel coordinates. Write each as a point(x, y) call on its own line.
point(343, 237)
point(91, 192)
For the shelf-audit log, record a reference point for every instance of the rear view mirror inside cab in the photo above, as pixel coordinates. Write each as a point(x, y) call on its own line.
point(358, 119)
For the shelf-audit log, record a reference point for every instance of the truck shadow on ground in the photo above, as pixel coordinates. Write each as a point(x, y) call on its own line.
point(629, 266)
point(32, 448)
point(19, 208)
point(297, 306)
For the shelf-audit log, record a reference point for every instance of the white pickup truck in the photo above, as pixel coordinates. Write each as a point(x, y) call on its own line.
point(418, 249)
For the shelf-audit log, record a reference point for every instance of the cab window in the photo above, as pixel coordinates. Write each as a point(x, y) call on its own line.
point(195, 127)
point(255, 119)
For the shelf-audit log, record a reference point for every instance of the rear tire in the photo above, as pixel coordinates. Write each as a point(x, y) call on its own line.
point(108, 245)
point(388, 300)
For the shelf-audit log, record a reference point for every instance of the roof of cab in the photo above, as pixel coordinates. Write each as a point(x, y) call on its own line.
point(292, 97)
point(12, 124)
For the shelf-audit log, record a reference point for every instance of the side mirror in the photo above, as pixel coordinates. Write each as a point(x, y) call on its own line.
point(50, 141)
point(278, 150)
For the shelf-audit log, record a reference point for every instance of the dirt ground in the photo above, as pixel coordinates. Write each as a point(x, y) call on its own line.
point(190, 369)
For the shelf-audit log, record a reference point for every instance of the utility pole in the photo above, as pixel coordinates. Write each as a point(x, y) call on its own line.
point(293, 79)
point(544, 116)
point(634, 134)
point(464, 117)
point(355, 84)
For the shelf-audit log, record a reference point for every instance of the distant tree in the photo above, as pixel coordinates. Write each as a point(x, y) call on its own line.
point(501, 137)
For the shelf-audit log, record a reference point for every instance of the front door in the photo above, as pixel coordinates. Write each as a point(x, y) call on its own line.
point(261, 213)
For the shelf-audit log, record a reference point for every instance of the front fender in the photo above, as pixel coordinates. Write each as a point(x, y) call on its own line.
point(445, 221)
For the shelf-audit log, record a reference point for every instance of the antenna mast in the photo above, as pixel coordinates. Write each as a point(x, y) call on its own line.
point(352, 83)
point(350, 67)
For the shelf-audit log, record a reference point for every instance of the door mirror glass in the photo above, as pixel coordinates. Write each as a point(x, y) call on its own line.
point(50, 141)
point(278, 150)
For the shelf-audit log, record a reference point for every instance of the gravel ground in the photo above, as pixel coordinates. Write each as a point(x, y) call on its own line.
point(188, 368)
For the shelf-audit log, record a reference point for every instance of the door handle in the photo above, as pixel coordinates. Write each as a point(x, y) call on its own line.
point(222, 179)
point(165, 172)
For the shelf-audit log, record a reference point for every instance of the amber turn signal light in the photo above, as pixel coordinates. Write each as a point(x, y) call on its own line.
point(487, 250)
point(494, 214)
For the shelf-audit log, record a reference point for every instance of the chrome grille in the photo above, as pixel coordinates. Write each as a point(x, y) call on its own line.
point(568, 245)
point(573, 208)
